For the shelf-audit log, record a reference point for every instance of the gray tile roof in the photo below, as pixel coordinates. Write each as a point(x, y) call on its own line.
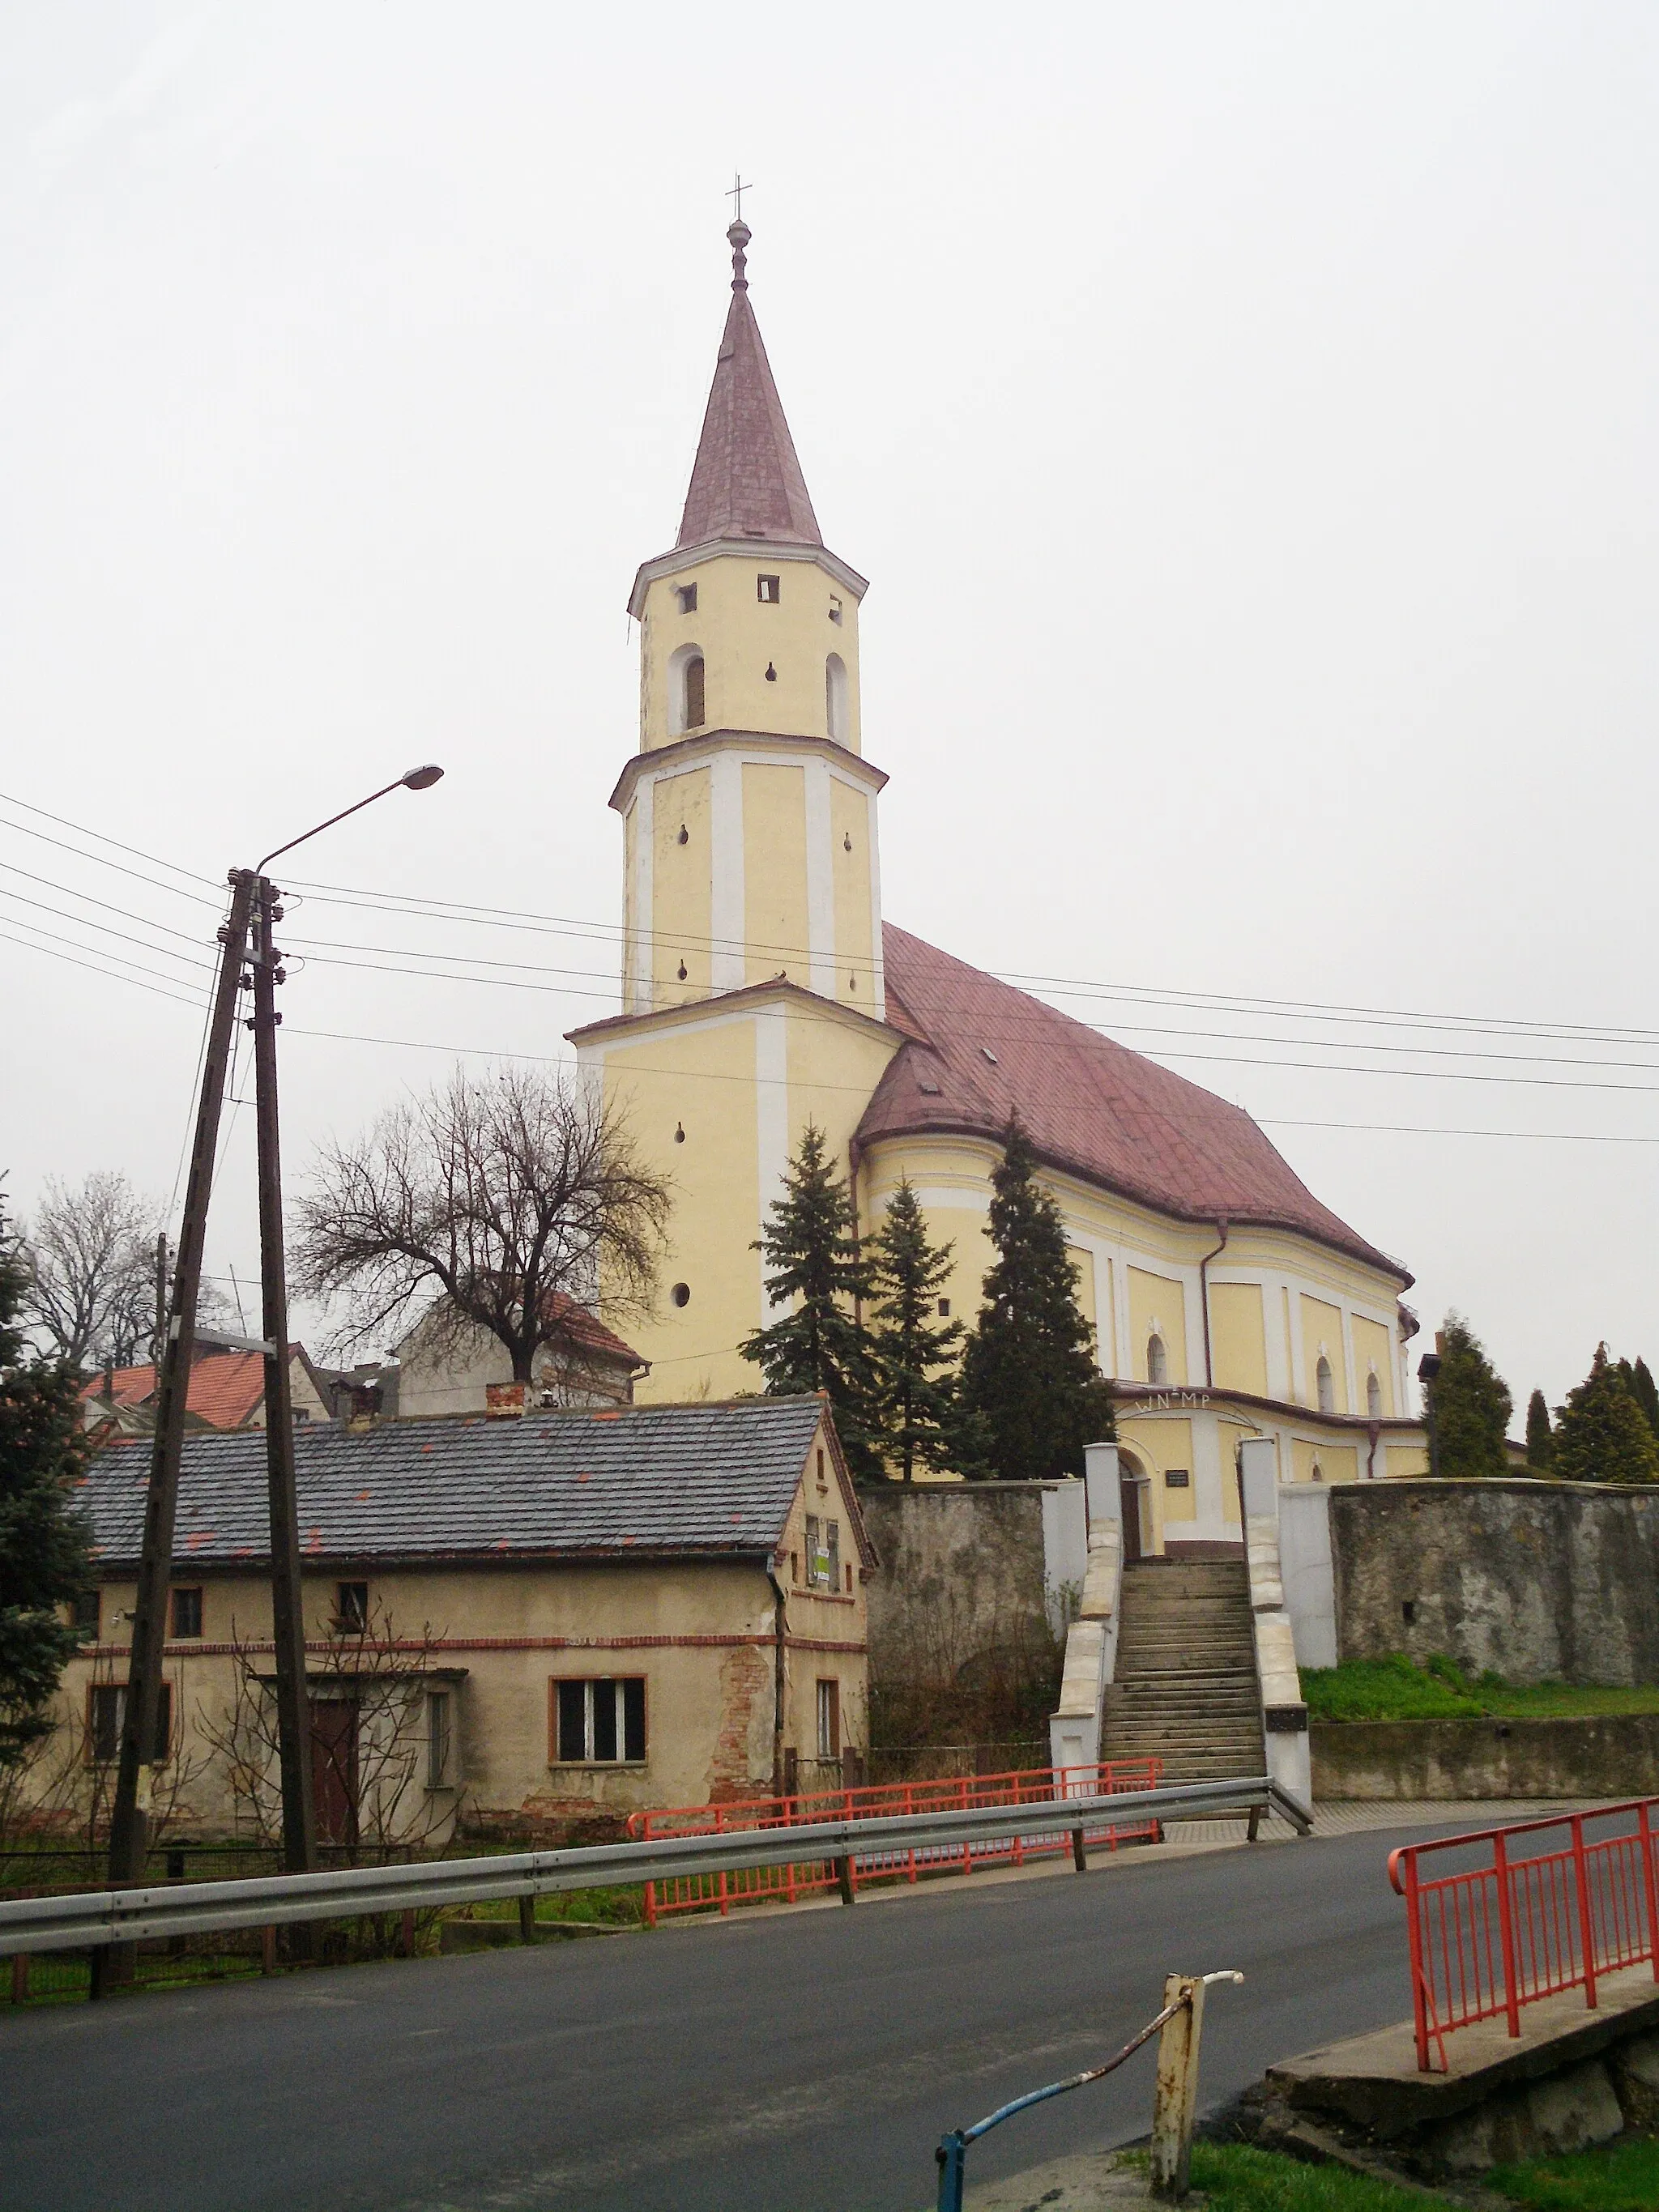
point(643, 1481)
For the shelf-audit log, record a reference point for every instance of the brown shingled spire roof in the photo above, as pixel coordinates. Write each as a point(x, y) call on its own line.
point(746, 481)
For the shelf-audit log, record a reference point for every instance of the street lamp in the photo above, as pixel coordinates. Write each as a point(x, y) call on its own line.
point(254, 906)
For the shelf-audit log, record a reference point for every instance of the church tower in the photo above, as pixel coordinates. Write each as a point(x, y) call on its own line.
point(750, 817)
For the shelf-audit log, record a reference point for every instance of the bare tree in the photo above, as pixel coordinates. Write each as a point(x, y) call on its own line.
point(505, 1196)
point(91, 1258)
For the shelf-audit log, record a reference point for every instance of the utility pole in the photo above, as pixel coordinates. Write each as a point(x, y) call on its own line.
point(286, 1588)
point(160, 1336)
point(129, 1822)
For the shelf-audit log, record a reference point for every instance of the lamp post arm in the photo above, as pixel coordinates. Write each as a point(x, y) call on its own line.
point(329, 824)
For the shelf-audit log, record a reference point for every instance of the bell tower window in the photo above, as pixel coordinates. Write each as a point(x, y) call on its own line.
point(1325, 1385)
point(687, 703)
point(768, 590)
point(687, 596)
point(834, 697)
point(1158, 1360)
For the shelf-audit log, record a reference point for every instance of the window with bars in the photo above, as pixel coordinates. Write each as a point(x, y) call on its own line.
point(106, 1713)
point(597, 1720)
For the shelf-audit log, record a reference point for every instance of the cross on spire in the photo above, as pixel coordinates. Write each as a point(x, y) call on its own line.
point(739, 188)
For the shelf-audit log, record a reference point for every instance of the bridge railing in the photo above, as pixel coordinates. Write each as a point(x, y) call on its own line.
point(1520, 1925)
point(720, 1890)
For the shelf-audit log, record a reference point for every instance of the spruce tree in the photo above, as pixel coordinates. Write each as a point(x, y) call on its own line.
point(1646, 1396)
point(1602, 1434)
point(1471, 1404)
point(1030, 1389)
point(914, 1350)
point(1541, 1437)
point(43, 1539)
point(815, 1269)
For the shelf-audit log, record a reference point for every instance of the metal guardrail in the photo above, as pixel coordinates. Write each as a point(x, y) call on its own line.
point(1489, 1939)
point(93, 1918)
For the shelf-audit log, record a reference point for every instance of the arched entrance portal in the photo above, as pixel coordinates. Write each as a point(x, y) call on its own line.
point(1133, 1490)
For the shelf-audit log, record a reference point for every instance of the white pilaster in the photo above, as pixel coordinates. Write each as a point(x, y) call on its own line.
point(727, 967)
point(645, 846)
point(771, 1115)
point(879, 980)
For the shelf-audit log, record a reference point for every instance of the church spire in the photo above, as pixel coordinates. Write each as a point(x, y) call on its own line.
point(746, 481)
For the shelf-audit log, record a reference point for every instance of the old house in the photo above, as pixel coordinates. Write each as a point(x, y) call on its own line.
point(446, 1366)
point(227, 1390)
point(507, 1619)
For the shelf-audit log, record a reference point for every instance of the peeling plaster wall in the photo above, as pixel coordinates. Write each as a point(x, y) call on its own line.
point(1538, 1581)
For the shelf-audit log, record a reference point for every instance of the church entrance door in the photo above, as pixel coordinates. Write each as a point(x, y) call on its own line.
point(1129, 1490)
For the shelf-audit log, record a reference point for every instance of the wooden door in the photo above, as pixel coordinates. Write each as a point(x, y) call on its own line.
point(1129, 1503)
point(334, 1769)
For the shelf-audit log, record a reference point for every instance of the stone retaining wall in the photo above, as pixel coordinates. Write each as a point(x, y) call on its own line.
point(1612, 1756)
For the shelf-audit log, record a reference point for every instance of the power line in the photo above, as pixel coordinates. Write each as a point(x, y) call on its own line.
point(97, 860)
point(86, 899)
point(113, 975)
point(84, 921)
point(99, 837)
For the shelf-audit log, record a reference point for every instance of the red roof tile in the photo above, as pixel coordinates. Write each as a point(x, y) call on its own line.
point(585, 1330)
point(746, 481)
point(1090, 1106)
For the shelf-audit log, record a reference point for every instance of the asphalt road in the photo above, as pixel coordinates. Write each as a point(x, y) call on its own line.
point(805, 2062)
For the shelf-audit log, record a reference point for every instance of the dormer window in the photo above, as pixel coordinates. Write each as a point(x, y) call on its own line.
point(687, 596)
point(768, 590)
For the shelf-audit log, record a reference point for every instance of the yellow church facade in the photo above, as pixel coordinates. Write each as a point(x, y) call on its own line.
point(762, 989)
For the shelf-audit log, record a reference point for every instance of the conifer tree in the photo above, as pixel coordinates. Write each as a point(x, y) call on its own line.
point(1541, 1437)
point(43, 1539)
point(914, 1350)
point(816, 1271)
point(1646, 1396)
point(1471, 1403)
point(1030, 1389)
point(1602, 1434)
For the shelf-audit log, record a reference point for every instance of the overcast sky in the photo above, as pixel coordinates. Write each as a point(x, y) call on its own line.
point(1245, 416)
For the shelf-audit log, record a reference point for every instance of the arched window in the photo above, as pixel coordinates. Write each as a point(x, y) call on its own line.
point(687, 706)
point(1158, 1360)
point(1326, 1383)
point(1373, 1396)
point(1317, 1472)
point(834, 697)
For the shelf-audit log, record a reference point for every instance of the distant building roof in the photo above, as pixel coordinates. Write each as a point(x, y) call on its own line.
point(226, 1387)
point(635, 1482)
point(985, 1052)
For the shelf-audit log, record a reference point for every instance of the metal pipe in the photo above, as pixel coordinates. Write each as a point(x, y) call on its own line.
point(1204, 1299)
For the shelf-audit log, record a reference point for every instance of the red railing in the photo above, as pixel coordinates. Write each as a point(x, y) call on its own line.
point(1489, 1938)
point(759, 1885)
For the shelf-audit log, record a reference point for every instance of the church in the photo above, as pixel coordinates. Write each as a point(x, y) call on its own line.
point(764, 989)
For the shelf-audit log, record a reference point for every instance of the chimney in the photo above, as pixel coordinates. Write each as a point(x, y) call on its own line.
point(506, 1401)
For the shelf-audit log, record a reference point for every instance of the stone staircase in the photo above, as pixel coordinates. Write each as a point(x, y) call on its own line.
point(1186, 1689)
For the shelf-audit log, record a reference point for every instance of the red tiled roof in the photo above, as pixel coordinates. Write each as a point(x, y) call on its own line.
point(1089, 1107)
point(587, 1330)
point(225, 1386)
point(746, 481)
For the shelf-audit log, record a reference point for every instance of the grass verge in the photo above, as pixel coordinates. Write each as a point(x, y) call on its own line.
point(1622, 2177)
point(1396, 1689)
point(1236, 2178)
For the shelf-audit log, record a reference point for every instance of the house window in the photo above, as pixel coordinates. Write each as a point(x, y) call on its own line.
point(834, 697)
point(598, 1722)
point(85, 1615)
point(823, 1553)
point(351, 1608)
point(768, 591)
point(828, 1720)
point(687, 596)
point(1324, 1383)
point(1373, 1396)
point(1158, 1360)
point(945, 1309)
point(106, 1713)
point(439, 1740)
point(188, 1612)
